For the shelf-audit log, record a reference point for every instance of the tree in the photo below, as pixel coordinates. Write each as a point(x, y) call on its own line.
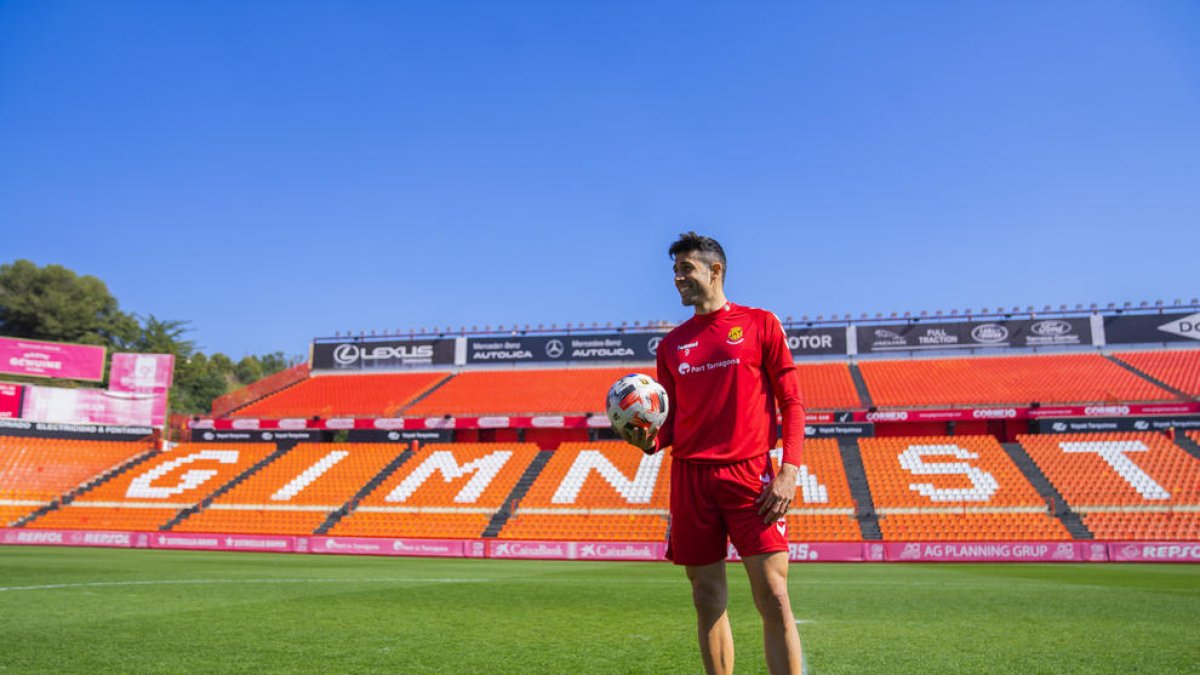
point(158, 336)
point(249, 369)
point(54, 303)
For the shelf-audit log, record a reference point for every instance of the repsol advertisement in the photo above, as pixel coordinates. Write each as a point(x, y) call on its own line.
point(1093, 424)
point(905, 337)
point(564, 348)
point(1152, 328)
point(381, 354)
point(816, 341)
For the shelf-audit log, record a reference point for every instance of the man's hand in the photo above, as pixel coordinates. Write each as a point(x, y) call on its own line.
point(775, 501)
point(642, 439)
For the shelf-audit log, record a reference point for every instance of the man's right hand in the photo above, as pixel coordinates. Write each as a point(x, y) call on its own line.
point(642, 439)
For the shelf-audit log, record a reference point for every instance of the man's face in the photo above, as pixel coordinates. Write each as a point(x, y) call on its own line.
point(697, 277)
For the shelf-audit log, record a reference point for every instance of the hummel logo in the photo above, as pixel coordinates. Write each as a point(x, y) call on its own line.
point(765, 478)
point(781, 525)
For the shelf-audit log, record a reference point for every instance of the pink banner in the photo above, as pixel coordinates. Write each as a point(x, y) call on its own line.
point(576, 550)
point(222, 542)
point(1117, 410)
point(1074, 551)
point(998, 551)
point(141, 373)
point(1159, 551)
point(430, 548)
point(93, 406)
point(10, 400)
point(51, 359)
point(816, 552)
point(74, 538)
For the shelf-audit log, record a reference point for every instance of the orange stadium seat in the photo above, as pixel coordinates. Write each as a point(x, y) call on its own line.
point(1179, 368)
point(582, 390)
point(154, 492)
point(575, 390)
point(827, 386)
point(1059, 378)
point(1125, 485)
point(344, 395)
point(595, 491)
point(953, 488)
point(443, 491)
point(34, 471)
point(295, 493)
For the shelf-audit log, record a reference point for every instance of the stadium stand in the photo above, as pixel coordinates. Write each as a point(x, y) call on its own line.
point(952, 489)
point(442, 491)
point(1059, 378)
point(827, 386)
point(601, 490)
point(595, 491)
point(1177, 368)
point(295, 493)
point(152, 494)
point(1125, 485)
point(542, 391)
point(223, 405)
point(344, 395)
point(35, 471)
point(490, 392)
point(824, 508)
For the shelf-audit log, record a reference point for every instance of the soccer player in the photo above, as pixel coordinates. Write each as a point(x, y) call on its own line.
point(725, 370)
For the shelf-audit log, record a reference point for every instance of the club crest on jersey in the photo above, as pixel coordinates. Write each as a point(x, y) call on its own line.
point(735, 335)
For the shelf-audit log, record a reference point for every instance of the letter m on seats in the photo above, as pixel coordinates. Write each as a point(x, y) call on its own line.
point(484, 469)
point(637, 490)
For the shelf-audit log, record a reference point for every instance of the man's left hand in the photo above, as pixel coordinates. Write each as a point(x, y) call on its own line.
point(775, 501)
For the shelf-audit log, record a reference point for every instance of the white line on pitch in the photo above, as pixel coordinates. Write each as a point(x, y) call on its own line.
point(179, 582)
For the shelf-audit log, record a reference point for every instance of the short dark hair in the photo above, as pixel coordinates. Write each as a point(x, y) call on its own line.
point(689, 242)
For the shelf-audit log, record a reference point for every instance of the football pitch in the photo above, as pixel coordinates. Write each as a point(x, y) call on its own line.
point(95, 610)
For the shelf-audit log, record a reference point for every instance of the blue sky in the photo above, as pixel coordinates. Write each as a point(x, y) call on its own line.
point(275, 171)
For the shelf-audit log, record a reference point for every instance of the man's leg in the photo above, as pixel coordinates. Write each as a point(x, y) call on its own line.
point(768, 581)
point(710, 594)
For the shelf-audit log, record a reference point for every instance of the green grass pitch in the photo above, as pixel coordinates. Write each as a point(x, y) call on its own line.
point(94, 610)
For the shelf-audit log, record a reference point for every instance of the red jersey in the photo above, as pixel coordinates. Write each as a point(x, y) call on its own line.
point(724, 373)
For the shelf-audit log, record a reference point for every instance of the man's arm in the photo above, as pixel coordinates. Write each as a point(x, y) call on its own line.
point(780, 371)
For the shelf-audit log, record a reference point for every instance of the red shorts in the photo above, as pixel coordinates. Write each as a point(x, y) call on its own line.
point(712, 504)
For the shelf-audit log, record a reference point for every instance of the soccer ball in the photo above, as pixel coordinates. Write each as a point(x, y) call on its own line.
point(637, 401)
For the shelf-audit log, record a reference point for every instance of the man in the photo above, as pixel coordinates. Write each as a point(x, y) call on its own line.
point(725, 370)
